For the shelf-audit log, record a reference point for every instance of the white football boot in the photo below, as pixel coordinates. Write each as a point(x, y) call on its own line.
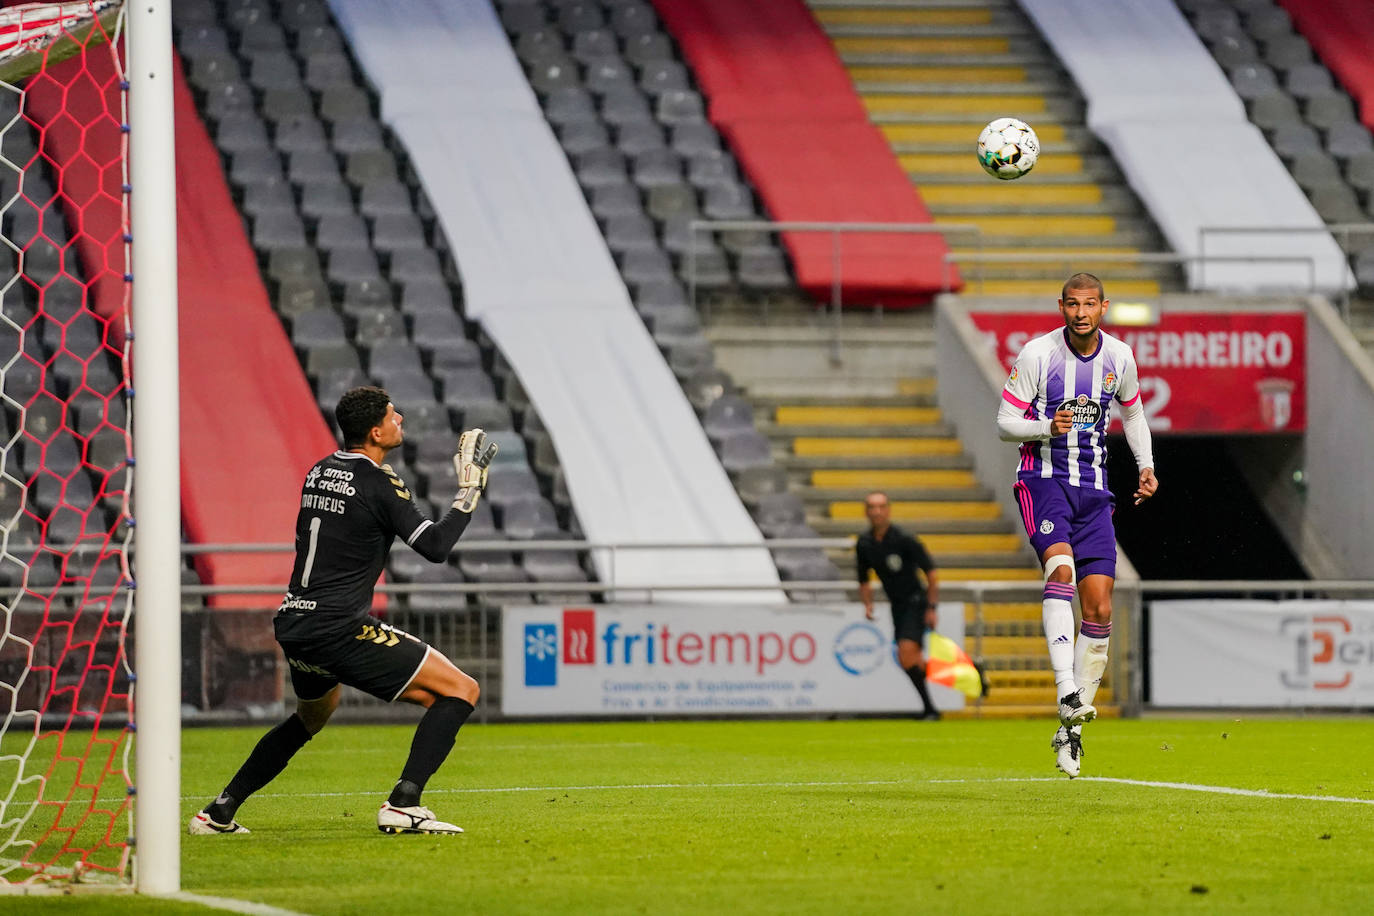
point(1068, 750)
point(1073, 711)
point(413, 819)
point(202, 825)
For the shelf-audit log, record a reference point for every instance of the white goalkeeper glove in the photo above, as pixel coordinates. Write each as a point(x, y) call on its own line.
point(471, 461)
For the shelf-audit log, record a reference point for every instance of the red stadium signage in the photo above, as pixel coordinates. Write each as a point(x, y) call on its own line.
point(1219, 372)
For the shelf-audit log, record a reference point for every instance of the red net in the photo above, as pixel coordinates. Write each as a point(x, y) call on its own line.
point(65, 696)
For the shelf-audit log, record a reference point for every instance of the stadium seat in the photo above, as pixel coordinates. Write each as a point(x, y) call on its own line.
point(704, 386)
point(1345, 141)
point(757, 483)
point(745, 450)
point(529, 520)
point(638, 137)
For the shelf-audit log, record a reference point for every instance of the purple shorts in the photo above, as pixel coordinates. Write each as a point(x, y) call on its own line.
point(1055, 512)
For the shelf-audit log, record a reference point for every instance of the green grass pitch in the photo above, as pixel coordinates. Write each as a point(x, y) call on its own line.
point(862, 816)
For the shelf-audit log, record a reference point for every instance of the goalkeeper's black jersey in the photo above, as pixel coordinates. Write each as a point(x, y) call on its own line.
point(351, 511)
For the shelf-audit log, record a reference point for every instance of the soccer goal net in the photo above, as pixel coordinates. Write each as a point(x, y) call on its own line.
point(65, 526)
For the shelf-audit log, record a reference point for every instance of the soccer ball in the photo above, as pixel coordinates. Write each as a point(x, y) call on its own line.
point(1008, 148)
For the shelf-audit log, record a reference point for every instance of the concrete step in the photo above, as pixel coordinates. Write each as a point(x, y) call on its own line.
point(778, 432)
point(935, 106)
point(865, 481)
point(838, 528)
point(850, 447)
point(876, 463)
point(827, 495)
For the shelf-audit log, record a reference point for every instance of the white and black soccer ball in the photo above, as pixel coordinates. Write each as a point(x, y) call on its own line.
point(1008, 148)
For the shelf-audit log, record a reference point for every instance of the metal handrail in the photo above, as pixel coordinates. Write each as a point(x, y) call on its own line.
point(836, 230)
point(1139, 257)
point(1345, 230)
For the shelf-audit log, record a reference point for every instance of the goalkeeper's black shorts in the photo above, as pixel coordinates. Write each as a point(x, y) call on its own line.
point(370, 655)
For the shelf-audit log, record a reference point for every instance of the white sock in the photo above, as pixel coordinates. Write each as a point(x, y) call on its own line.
point(1090, 657)
point(1057, 613)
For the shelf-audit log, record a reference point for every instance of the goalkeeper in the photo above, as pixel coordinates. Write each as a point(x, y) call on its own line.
point(352, 507)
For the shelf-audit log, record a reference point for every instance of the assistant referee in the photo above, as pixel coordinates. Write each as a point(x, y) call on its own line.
point(896, 557)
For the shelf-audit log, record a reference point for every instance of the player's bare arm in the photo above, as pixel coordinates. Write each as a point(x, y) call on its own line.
point(866, 595)
point(1147, 487)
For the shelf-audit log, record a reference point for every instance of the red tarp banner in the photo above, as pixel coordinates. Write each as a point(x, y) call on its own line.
point(1224, 372)
point(1342, 34)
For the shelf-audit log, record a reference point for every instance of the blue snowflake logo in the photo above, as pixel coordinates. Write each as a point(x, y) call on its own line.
point(541, 644)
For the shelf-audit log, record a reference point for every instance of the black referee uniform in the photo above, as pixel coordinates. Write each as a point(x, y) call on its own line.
point(896, 558)
point(351, 512)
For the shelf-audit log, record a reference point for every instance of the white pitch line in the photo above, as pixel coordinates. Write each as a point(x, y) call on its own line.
point(230, 905)
point(1180, 786)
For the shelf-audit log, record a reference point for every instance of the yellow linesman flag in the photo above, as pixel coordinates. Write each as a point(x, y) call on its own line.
point(948, 664)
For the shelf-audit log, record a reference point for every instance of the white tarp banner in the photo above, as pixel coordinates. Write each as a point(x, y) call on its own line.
point(1262, 653)
point(665, 660)
point(1160, 102)
point(538, 275)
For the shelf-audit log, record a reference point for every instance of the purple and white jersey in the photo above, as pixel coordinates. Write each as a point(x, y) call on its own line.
point(1050, 374)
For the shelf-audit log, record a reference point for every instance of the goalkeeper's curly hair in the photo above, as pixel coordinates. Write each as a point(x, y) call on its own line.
point(358, 411)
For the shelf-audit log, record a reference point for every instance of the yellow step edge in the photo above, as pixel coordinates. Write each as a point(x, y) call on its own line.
point(958, 133)
point(1014, 645)
point(978, 574)
point(916, 386)
point(856, 416)
point(814, 446)
point(1049, 289)
point(913, 511)
point(996, 192)
point(936, 74)
point(892, 479)
point(872, 16)
point(960, 163)
point(1087, 250)
point(1032, 227)
point(972, 543)
point(990, 105)
point(924, 45)
point(1003, 613)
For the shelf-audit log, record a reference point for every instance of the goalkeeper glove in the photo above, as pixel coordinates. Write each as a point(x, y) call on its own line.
point(471, 461)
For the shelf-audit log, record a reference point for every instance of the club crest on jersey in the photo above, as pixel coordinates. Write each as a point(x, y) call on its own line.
point(894, 562)
point(1109, 383)
point(1086, 411)
point(1046, 527)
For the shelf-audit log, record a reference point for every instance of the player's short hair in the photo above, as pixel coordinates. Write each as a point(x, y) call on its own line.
point(1082, 280)
point(873, 493)
point(359, 411)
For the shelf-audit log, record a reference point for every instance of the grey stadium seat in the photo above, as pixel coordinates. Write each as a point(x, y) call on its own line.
point(592, 44)
point(1345, 141)
point(1329, 109)
point(746, 450)
point(608, 74)
point(639, 137)
point(581, 136)
point(1307, 80)
point(1290, 140)
point(529, 520)
point(727, 416)
point(1254, 80)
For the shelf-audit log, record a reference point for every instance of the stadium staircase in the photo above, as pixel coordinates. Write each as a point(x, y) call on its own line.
point(363, 283)
point(932, 73)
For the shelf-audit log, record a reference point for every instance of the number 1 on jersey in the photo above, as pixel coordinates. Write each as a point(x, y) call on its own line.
point(310, 553)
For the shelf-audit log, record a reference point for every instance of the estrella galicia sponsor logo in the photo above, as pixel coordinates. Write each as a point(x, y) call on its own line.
point(860, 648)
point(1329, 650)
point(1086, 411)
point(541, 655)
